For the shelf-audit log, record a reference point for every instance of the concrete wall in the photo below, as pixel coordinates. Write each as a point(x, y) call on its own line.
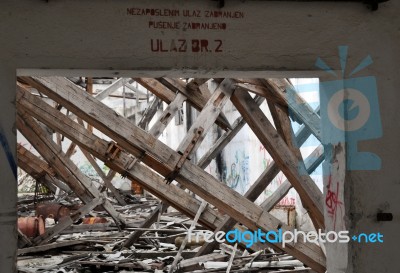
point(281, 39)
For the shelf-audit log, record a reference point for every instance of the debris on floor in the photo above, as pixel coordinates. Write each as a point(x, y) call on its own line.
point(138, 205)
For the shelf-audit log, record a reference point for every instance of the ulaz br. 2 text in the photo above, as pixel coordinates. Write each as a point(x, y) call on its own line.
point(186, 45)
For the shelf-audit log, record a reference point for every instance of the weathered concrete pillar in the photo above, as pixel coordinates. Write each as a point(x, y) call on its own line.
point(333, 134)
point(8, 185)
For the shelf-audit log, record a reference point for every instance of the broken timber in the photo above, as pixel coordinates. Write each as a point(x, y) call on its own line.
point(38, 169)
point(164, 93)
point(192, 140)
point(163, 159)
point(309, 193)
point(151, 181)
point(256, 189)
point(81, 185)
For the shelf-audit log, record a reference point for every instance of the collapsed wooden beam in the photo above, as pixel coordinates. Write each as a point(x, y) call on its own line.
point(211, 110)
point(105, 178)
point(167, 95)
point(194, 137)
point(298, 106)
point(260, 91)
point(257, 188)
point(111, 89)
point(155, 87)
point(194, 84)
point(185, 241)
point(311, 163)
point(38, 169)
point(168, 114)
point(171, 194)
point(178, 85)
point(57, 166)
point(224, 140)
point(149, 113)
point(283, 125)
point(176, 197)
point(163, 159)
point(207, 117)
point(155, 184)
point(53, 154)
point(309, 193)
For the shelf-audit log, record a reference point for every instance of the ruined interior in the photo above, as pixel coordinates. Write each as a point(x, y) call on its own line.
point(53, 110)
point(132, 132)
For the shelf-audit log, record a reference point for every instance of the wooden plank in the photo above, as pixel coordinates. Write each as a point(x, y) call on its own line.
point(187, 264)
point(90, 228)
point(155, 184)
point(163, 159)
point(89, 89)
point(37, 165)
point(208, 115)
point(106, 180)
point(194, 85)
point(53, 154)
point(74, 185)
point(185, 241)
point(171, 194)
point(205, 121)
point(282, 155)
point(167, 95)
point(39, 177)
point(196, 99)
point(260, 91)
point(226, 137)
point(311, 163)
point(23, 240)
point(39, 170)
point(157, 89)
point(297, 105)
point(42, 248)
point(71, 150)
point(138, 93)
point(133, 237)
point(99, 171)
point(179, 86)
point(168, 114)
point(149, 113)
point(109, 90)
point(252, 194)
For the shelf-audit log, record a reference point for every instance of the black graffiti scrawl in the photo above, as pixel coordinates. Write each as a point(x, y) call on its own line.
point(7, 150)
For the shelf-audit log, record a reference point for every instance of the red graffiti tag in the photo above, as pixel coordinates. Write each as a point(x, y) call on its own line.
point(332, 201)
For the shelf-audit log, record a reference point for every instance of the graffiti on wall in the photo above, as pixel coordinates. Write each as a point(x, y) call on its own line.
point(87, 169)
point(236, 174)
point(266, 161)
point(333, 204)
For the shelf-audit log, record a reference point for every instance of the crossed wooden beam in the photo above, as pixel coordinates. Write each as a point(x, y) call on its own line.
point(165, 164)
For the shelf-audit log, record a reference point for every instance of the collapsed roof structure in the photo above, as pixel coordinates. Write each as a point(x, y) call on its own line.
point(134, 150)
